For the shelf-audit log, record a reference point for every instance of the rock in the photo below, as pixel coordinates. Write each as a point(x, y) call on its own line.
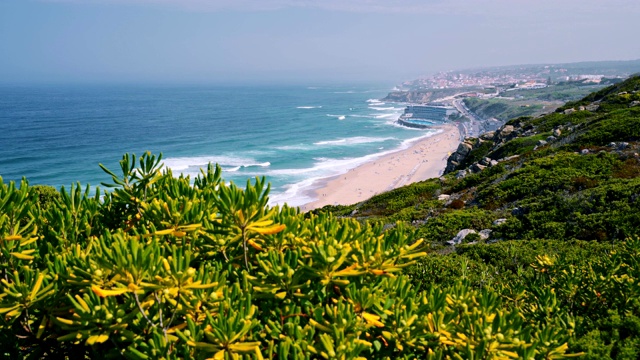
point(592, 107)
point(485, 234)
point(498, 222)
point(518, 211)
point(355, 211)
point(622, 93)
point(506, 131)
point(488, 135)
point(623, 145)
point(461, 174)
point(557, 132)
point(444, 197)
point(486, 161)
point(477, 167)
point(464, 148)
point(460, 236)
point(542, 143)
point(612, 144)
point(551, 138)
point(584, 151)
point(493, 163)
point(581, 108)
point(508, 158)
point(634, 103)
point(569, 111)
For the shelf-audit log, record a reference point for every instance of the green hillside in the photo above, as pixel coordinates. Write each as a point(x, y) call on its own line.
point(565, 185)
point(166, 267)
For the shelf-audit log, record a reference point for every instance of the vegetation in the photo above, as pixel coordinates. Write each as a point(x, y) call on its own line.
point(165, 267)
point(575, 200)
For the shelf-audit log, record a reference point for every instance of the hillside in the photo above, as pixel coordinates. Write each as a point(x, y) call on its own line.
point(559, 194)
point(571, 174)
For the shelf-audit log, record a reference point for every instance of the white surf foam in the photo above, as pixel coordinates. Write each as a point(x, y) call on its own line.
point(341, 117)
point(297, 194)
point(386, 116)
point(336, 116)
point(309, 107)
point(352, 141)
point(385, 108)
point(228, 163)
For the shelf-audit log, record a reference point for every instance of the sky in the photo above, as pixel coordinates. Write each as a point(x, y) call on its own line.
point(301, 41)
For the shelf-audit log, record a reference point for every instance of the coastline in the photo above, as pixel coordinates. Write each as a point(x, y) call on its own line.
point(424, 159)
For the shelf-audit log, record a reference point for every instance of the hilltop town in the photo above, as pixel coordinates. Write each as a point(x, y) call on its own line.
point(485, 98)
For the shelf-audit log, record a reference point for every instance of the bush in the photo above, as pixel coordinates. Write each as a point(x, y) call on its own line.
point(166, 267)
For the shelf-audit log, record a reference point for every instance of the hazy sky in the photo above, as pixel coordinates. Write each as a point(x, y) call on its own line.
point(301, 40)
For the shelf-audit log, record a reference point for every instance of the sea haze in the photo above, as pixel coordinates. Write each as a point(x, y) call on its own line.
point(57, 135)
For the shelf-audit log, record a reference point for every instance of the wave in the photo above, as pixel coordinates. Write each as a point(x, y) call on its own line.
point(374, 101)
point(228, 163)
point(300, 193)
point(309, 107)
point(294, 147)
point(385, 108)
point(363, 116)
point(236, 168)
point(353, 141)
point(386, 116)
point(340, 117)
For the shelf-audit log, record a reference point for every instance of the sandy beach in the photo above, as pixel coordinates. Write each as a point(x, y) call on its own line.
point(425, 159)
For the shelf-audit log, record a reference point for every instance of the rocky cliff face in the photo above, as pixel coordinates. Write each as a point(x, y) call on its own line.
point(409, 96)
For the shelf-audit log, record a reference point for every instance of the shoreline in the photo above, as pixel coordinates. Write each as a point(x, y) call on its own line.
point(424, 159)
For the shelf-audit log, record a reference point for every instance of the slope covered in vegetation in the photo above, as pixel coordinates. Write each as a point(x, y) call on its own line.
point(566, 186)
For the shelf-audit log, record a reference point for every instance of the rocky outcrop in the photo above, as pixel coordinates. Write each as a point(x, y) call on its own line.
point(460, 236)
point(457, 157)
point(409, 96)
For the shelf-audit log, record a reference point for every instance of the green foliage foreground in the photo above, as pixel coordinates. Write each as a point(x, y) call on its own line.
point(171, 267)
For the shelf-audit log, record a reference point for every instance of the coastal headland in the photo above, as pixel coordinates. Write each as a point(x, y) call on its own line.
point(424, 159)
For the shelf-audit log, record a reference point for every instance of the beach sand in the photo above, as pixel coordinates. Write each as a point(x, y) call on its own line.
point(425, 159)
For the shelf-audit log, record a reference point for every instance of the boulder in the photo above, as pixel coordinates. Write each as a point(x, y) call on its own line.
point(569, 111)
point(612, 144)
point(493, 163)
point(541, 143)
point(485, 234)
point(461, 174)
point(592, 107)
point(508, 158)
point(551, 138)
point(623, 145)
point(557, 132)
point(443, 197)
point(486, 161)
point(518, 211)
point(477, 167)
point(488, 135)
point(581, 108)
point(464, 148)
point(584, 151)
point(460, 236)
point(506, 131)
point(634, 103)
point(498, 222)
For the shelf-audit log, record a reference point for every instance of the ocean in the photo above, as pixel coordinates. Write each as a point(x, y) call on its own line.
point(294, 135)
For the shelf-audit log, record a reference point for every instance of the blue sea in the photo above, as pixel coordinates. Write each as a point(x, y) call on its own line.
point(294, 135)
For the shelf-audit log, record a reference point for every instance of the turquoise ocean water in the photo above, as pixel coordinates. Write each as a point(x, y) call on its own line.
point(293, 135)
